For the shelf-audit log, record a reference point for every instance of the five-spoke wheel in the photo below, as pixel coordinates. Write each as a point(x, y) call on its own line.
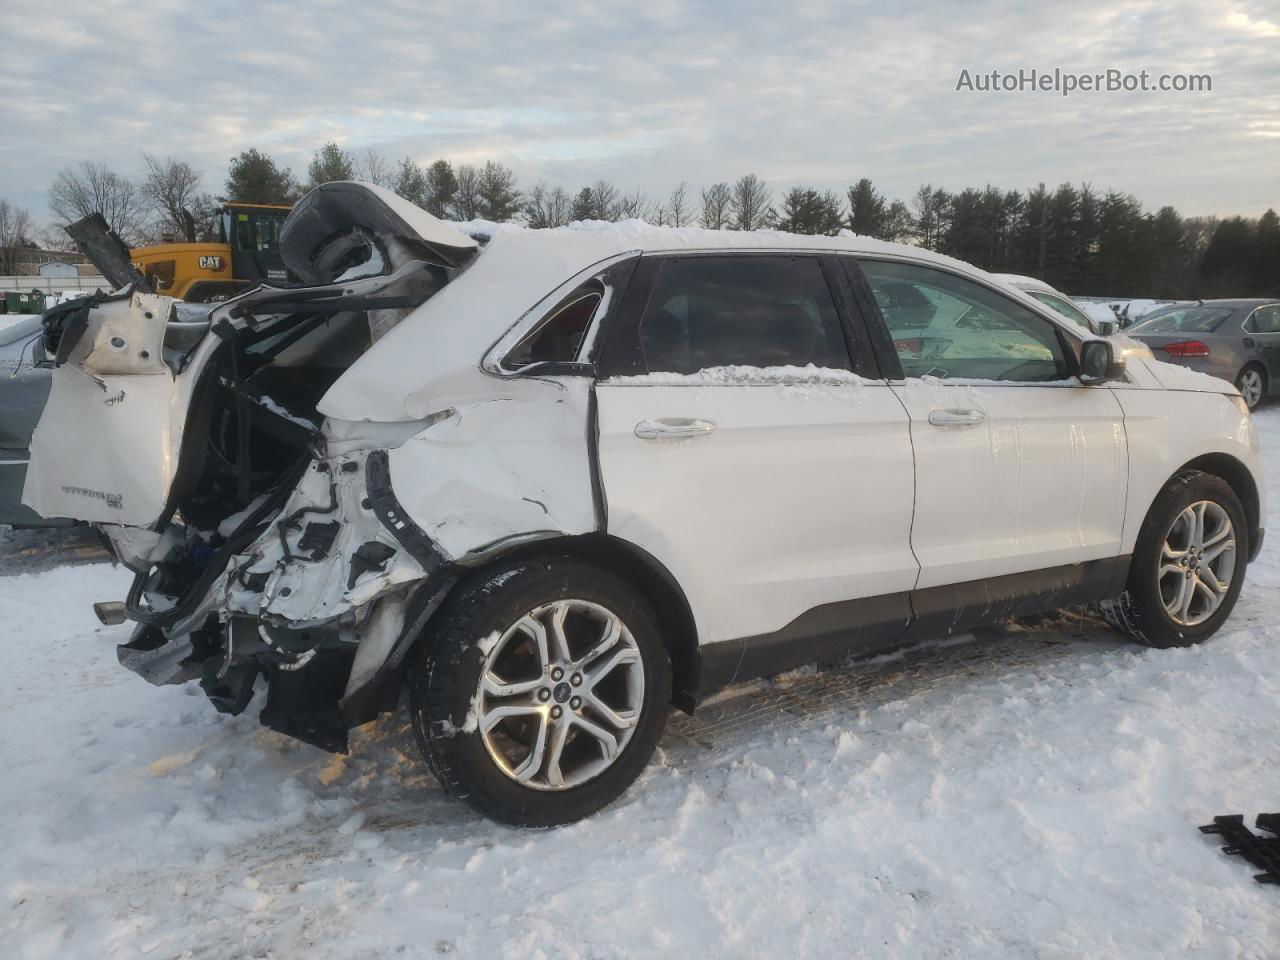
point(542, 692)
point(560, 694)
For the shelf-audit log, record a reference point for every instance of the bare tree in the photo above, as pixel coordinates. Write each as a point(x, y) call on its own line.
point(96, 188)
point(634, 206)
point(375, 168)
point(750, 205)
point(717, 202)
point(170, 188)
point(15, 232)
point(679, 212)
point(547, 207)
point(466, 198)
point(605, 197)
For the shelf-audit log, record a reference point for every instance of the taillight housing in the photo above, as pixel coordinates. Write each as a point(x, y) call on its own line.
point(1187, 348)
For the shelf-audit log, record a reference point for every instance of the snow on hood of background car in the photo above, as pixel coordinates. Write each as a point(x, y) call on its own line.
point(438, 348)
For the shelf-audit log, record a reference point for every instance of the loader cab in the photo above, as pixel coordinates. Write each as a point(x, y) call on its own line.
point(253, 233)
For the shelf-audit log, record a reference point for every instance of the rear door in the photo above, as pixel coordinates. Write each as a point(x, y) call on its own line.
point(1019, 468)
point(740, 448)
point(1263, 327)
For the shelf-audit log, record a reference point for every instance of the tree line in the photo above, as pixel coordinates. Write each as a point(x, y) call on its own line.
point(1079, 239)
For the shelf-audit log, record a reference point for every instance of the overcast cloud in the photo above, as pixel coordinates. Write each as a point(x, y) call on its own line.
point(647, 94)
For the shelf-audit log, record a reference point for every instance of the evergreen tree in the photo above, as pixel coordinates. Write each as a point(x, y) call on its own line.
point(584, 205)
point(868, 211)
point(499, 200)
point(410, 182)
point(1266, 260)
point(330, 163)
point(1225, 266)
point(442, 189)
point(805, 210)
point(253, 177)
point(899, 224)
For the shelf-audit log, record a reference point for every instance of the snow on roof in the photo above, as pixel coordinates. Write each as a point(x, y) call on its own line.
point(515, 271)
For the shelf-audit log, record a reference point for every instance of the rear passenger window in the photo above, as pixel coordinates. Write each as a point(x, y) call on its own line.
point(753, 311)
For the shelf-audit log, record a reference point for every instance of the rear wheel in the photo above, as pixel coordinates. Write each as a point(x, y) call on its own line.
point(543, 692)
point(1252, 384)
point(1188, 564)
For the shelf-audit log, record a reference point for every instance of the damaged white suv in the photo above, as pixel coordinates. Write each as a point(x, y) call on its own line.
point(554, 481)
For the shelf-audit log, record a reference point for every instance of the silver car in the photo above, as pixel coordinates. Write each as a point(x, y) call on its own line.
point(24, 388)
point(1237, 340)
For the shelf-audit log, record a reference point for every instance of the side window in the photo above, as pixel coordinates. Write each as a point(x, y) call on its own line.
point(557, 338)
point(752, 311)
point(1266, 319)
point(949, 327)
point(1068, 310)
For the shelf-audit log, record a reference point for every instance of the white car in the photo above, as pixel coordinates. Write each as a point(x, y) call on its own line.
point(1057, 300)
point(555, 482)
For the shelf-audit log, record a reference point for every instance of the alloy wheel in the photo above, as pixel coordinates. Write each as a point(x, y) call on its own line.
point(560, 694)
point(1197, 562)
point(1250, 387)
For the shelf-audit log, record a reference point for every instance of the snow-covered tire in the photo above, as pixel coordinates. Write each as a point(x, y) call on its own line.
point(489, 632)
point(1141, 611)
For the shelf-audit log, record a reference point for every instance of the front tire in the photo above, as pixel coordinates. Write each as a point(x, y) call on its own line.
point(1188, 564)
point(542, 693)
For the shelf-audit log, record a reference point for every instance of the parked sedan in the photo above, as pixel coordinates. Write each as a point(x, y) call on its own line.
point(1237, 340)
point(552, 485)
point(24, 387)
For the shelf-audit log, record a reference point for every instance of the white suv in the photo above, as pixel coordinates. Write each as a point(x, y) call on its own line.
point(553, 481)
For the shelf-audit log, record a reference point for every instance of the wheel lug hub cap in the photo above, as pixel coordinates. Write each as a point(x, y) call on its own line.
point(561, 692)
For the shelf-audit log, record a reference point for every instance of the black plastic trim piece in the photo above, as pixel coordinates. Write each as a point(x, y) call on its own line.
point(875, 625)
point(599, 503)
point(385, 506)
point(861, 351)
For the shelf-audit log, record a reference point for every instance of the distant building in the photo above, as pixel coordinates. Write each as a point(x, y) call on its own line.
point(28, 262)
point(59, 269)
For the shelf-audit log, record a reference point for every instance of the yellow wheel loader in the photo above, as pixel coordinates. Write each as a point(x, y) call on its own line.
point(247, 253)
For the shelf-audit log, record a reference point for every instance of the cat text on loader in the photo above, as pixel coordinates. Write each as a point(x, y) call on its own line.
point(247, 253)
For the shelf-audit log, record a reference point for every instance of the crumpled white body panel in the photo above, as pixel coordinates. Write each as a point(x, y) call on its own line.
point(514, 464)
point(106, 447)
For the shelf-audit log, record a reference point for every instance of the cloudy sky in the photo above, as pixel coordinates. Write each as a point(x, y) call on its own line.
point(651, 93)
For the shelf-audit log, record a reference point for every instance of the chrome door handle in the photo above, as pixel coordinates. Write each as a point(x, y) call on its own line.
point(956, 418)
point(673, 428)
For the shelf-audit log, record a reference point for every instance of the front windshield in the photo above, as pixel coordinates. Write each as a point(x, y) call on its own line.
point(1192, 319)
point(21, 330)
point(1068, 310)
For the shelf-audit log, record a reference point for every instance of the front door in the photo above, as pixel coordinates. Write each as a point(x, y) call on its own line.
point(1019, 468)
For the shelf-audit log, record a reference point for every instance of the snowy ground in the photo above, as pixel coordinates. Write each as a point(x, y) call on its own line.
point(1030, 794)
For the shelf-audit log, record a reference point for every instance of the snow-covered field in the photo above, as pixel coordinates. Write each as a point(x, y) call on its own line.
point(1034, 793)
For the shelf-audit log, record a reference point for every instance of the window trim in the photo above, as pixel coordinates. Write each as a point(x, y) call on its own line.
point(1246, 326)
point(546, 309)
point(1070, 342)
point(621, 354)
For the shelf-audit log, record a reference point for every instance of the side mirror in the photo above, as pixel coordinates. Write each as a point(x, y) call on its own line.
point(1107, 327)
point(1100, 363)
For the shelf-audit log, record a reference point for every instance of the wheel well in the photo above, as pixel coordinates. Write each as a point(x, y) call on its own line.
point(644, 572)
point(1237, 475)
